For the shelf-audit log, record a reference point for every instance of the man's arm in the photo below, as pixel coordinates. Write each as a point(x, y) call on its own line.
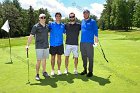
point(96, 34)
point(29, 41)
point(96, 39)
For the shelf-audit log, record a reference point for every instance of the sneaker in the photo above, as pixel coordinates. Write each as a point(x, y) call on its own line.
point(52, 73)
point(90, 74)
point(59, 72)
point(83, 73)
point(66, 71)
point(37, 77)
point(45, 74)
point(75, 72)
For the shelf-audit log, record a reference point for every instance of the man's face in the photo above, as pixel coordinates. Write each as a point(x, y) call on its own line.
point(58, 18)
point(72, 17)
point(86, 15)
point(42, 19)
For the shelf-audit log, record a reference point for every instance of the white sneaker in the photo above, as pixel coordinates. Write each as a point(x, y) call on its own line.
point(75, 72)
point(37, 77)
point(52, 73)
point(59, 72)
point(66, 71)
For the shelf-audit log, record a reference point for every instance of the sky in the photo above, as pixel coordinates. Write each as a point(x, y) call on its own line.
point(66, 6)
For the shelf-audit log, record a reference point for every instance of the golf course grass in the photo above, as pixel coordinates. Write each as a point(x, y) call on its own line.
point(120, 75)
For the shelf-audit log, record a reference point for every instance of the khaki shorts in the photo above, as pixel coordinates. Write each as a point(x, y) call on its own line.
point(42, 54)
point(73, 49)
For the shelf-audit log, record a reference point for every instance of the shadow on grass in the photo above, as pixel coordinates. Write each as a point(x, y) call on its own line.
point(100, 80)
point(69, 78)
point(9, 63)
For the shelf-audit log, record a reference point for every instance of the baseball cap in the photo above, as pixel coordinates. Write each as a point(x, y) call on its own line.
point(42, 15)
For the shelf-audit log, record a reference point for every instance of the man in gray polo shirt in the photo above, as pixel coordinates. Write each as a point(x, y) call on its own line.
point(40, 32)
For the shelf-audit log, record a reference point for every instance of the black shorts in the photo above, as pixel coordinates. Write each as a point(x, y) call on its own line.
point(57, 50)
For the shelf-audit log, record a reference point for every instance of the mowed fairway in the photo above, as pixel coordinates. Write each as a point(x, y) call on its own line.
point(120, 75)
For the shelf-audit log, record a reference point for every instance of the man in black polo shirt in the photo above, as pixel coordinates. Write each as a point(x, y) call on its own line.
point(40, 32)
point(72, 33)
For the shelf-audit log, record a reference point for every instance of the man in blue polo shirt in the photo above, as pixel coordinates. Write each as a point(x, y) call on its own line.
point(56, 41)
point(89, 37)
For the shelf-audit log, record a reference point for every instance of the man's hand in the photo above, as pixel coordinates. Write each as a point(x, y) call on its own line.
point(95, 44)
point(27, 47)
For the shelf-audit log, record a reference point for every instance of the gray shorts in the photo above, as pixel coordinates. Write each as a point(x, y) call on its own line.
point(42, 53)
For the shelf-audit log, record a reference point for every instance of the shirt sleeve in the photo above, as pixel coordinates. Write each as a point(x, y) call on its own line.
point(64, 30)
point(50, 26)
point(33, 31)
point(95, 27)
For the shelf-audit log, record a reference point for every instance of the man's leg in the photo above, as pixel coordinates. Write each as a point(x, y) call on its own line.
point(45, 74)
point(90, 54)
point(58, 61)
point(53, 53)
point(44, 65)
point(75, 54)
point(39, 54)
point(67, 53)
point(52, 63)
point(38, 66)
point(75, 63)
point(60, 51)
point(84, 58)
point(45, 56)
point(66, 62)
point(37, 69)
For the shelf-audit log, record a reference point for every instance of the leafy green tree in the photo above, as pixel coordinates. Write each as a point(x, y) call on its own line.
point(11, 13)
point(31, 19)
point(93, 17)
point(17, 4)
point(136, 20)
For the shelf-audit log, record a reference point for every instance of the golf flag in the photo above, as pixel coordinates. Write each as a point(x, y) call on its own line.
point(6, 26)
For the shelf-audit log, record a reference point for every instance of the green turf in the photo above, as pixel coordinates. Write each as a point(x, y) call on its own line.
point(120, 75)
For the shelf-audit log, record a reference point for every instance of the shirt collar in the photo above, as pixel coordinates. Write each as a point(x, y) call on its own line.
point(87, 20)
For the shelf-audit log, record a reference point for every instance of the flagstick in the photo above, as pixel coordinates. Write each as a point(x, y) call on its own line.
point(10, 47)
point(7, 28)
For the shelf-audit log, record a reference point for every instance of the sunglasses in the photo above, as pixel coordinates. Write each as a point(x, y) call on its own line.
point(71, 16)
point(43, 17)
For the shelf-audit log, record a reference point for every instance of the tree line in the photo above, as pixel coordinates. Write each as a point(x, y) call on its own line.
point(20, 20)
point(117, 15)
point(120, 15)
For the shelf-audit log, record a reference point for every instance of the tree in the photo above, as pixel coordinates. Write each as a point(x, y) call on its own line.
point(21, 20)
point(66, 20)
point(131, 6)
point(17, 4)
point(136, 16)
point(118, 14)
point(31, 19)
point(11, 13)
point(94, 17)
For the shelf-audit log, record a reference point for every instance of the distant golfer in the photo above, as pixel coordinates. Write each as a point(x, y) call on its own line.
point(89, 36)
point(72, 33)
point(56, 41)
point(40, 32)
